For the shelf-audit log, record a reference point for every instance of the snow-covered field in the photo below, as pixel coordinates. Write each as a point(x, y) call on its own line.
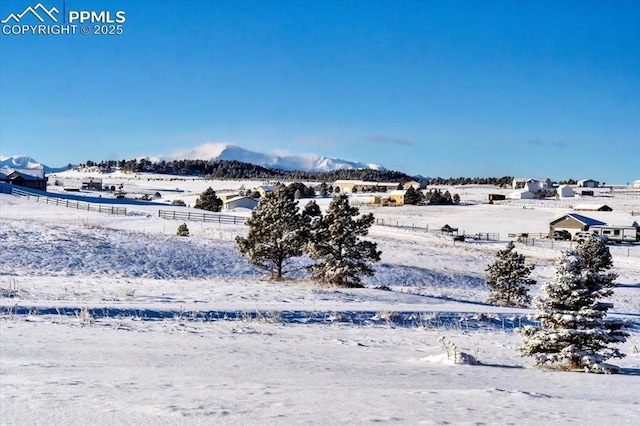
point(115, 320)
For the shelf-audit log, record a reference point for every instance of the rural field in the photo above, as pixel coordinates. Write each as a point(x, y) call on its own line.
point(113, 319)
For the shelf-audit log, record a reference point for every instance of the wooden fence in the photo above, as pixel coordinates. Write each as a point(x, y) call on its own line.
point(62, 202)
point(201, 217)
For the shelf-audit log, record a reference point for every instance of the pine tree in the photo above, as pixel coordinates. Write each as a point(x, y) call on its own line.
point(341, 257)
point(324, 189)
point(573, 328)
point(183, 230)
point(209, 201)
point(276, 234)
point(413, 196)
point(507, 277)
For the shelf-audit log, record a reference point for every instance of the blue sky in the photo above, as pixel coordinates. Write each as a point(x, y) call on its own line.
point(438, 88)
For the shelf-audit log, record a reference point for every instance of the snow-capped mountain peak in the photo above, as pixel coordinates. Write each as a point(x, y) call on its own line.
point(19, 162)
point(304, 162)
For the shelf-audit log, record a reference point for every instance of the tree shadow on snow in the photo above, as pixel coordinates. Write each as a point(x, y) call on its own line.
point(630, 371)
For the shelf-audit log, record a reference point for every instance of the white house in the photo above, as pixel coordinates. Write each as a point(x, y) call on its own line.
point(539, 183)
point(565, 191)
point(240, 202)
point(636, 183)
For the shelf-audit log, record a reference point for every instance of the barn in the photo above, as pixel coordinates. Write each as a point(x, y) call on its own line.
point(573, 222)
point(588, 183)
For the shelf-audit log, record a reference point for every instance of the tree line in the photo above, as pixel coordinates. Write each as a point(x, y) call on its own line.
point(232, 169)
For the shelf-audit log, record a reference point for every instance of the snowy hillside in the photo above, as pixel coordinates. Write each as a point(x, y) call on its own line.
point(306, 162)
point(116, 320)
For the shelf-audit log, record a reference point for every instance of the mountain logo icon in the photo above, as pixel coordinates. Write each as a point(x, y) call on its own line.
point(38, 11)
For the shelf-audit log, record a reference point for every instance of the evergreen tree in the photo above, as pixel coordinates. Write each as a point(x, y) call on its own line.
point(446, 198)
point(324, 189)
point(209, 201)
point(573, 328)
point(508, 278)
point(341, 257)
point(413, 196)
point(183, 230)
point(276, 234)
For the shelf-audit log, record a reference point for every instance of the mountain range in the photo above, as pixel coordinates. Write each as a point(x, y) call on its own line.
point(224, 151)
point(304, 162)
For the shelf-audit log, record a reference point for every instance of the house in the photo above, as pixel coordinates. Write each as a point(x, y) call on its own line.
point(593, 208)
point(636, 184)
point(395, 197)
point(537, 183)
point(240, 202)
point(266, 189)
point(573, 222)
point(228, 196)
point(28, 178)
point(411, 183)
point(354, 186)
point(92, 183)
point(588, 183)
point(565, 191)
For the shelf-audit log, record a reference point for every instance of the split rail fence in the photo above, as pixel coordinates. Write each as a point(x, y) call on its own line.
point(63, 202)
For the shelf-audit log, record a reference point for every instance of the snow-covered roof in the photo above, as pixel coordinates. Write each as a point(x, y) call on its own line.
point(241, 197)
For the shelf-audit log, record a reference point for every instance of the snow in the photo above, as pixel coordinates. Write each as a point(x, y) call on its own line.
point(116, 320)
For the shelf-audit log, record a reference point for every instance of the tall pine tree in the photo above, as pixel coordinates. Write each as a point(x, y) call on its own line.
point(573, 327)
point(508, 278)
point(277, 234)
point(341, 256)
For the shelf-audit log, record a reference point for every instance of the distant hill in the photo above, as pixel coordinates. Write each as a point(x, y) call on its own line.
point(230, 152)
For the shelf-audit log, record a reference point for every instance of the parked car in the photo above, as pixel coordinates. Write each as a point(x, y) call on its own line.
point(585, 235)
point(561, 235)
